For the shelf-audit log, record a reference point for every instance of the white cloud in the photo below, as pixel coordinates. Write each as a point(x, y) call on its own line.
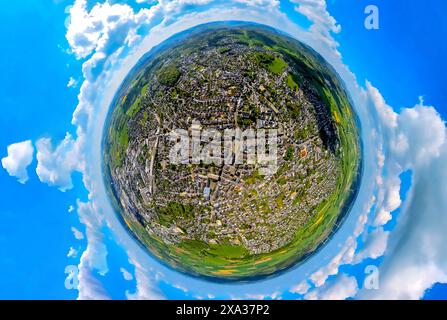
point(72, 83)
point(382, 217)
point(301, 288)
point(90, 288)
point(260, 3)
point(340, 288)
point(77, 234)
point(421, 136)
point(103, 28)
point(108, 27)
point(20, 156)
point(126, 274)
point(275, 295)
point(345, 256)
point(180, 287)
point(55, 165)
point(72, 253)
point(387, 117)
point(93, 261)
point(388, 197)
point(416, 257)
point(145, 289)
point(323, 24)
point(70, 209)
point(375, 245)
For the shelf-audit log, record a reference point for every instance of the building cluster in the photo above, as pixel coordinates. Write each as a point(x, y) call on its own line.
point(232, 202)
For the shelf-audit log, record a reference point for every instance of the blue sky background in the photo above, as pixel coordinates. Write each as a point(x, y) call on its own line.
point(35, 230)
point(405, 59)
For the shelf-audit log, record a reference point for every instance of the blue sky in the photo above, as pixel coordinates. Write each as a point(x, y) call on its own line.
point(35, 233)
point(405, 58)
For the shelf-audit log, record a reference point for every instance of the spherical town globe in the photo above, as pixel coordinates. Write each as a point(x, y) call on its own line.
point(232, 151)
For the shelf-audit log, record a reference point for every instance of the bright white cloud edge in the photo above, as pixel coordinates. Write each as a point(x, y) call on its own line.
point(20, 155)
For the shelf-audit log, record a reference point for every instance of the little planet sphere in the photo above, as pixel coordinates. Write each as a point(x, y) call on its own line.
point(232, 152)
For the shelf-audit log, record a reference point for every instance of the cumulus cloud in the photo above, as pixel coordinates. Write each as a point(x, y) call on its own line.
point(20, 156)
point(107, 27)
point(126, 274)
point(55, 165)
point(263, 3)
point(388, 196)
point(90, 288)
point(340, 288)
point(275, 295)
point(375, 245)
point(420, 138)
point(323, 23)
point(93, 260)
point(301, 288)
point(71, 82)
point(72, 253)
point(416, 257)
point(77, 234)
point(145, 289)
point(345, 256)
point(103, 27)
